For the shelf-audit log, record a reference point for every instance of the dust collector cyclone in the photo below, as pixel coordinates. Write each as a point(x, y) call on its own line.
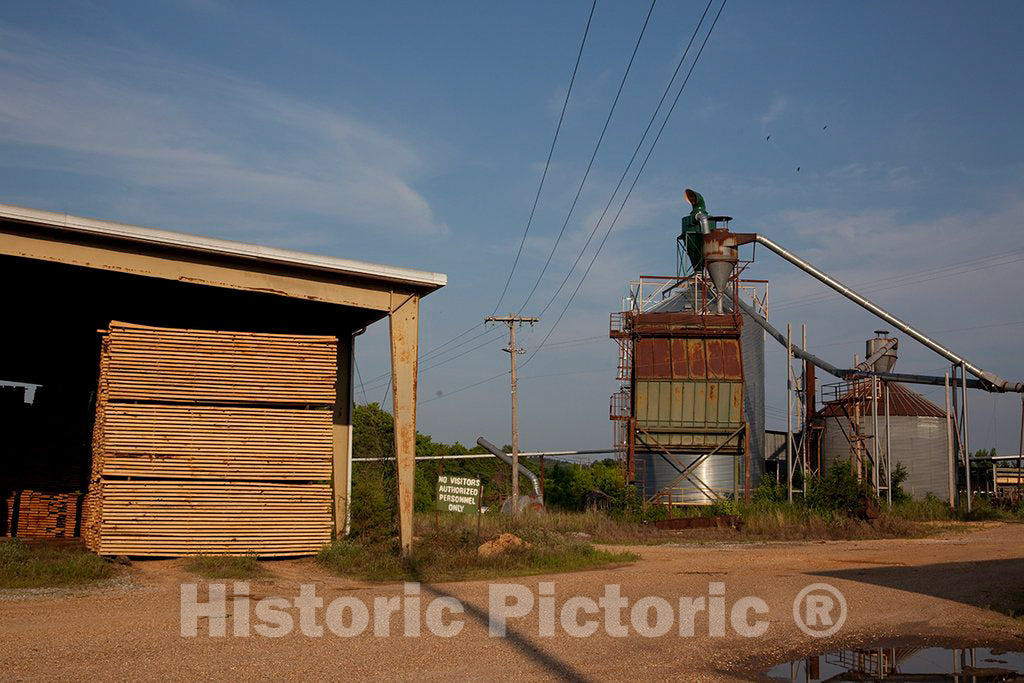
point(709, 244)
point(881, 343)
point(720, 257)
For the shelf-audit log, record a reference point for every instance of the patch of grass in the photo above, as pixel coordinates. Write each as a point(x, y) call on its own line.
point(226, 567)
point(593, 526)
point(932, 509)
point(450, 554)
point(927, 509)
point(790, 522)
point(43, 565)
point(764, 521)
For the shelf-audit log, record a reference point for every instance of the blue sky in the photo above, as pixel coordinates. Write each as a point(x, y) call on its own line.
point(415, 134)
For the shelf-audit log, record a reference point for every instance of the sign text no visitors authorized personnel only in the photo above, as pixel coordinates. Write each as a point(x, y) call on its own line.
point(458, 494)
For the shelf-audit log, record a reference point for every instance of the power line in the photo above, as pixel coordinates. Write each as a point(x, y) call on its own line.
point(573, 342)
point(361, 387)
point(882, 284)
point(567, 373)
point(468, 386)
point(633, 185)
point(438, 348)
point(448, 360)
point(547, 164)
point(625, 172)
point(590, 165)
point(826, 296)
point(427, 356)
point(835, 342)
point(561, 117)
point(548, 347)
point(525, 377)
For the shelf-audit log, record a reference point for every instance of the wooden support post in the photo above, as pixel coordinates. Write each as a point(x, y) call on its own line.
point(404, 342)
point(342, 435)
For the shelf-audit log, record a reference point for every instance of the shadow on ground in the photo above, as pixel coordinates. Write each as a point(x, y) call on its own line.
point(990, 584)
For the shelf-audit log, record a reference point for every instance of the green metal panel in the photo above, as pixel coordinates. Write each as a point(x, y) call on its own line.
point(690, 414)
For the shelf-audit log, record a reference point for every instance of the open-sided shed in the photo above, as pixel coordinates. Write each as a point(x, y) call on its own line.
point(65, 277)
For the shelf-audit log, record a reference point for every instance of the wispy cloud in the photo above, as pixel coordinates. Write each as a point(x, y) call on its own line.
point(776, 109)
point(213, 137)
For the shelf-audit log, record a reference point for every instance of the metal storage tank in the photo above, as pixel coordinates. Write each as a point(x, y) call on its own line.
point(696, 379)
point(917, 434)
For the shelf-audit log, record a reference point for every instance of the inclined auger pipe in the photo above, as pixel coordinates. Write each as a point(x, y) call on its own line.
point(996, 382)
point(502, 455)
point(781, 338)
point(845, 373)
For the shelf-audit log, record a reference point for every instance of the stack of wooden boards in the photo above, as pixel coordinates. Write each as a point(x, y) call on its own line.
point(211, 442)
point(47, 451)
point(34, 514)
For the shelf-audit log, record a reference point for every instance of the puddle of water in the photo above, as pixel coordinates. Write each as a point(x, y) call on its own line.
point(905, 664)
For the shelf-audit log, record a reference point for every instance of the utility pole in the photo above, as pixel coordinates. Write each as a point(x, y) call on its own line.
point(513, 321)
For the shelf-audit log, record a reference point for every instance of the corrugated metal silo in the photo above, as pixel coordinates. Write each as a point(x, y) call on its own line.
point(692, 409)
point(917, 434)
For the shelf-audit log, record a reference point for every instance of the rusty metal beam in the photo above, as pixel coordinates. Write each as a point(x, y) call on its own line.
point(404, 342)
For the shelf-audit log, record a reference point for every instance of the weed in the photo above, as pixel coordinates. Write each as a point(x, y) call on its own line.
point(449, 553)
point(44, 565)
point(226, 567)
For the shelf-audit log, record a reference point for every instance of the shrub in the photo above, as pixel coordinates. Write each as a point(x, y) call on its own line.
point(725, 506)
point(837, 492)
point(770, 490)
point(372, 508)
point(899, 476)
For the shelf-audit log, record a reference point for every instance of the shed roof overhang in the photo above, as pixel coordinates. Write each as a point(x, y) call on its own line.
point(72, 240)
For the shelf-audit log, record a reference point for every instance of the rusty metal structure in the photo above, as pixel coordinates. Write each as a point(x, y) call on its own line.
point(687, 420)
point(678, 351)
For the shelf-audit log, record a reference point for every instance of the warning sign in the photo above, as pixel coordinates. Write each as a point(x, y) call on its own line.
point(458, 494)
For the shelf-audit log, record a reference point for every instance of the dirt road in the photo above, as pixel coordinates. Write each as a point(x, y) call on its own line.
point(935, 590)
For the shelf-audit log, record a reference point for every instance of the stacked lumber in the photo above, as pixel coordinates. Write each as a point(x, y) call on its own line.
point(211, 442)
point(10, 507)
point(217, 442)
point(36, 514)
point(171, 518)
point(160, 364)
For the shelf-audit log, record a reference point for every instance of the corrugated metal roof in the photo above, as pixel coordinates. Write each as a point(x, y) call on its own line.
point(902, 401)
point(209, 245)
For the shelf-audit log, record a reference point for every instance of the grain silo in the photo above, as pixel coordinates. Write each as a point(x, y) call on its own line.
point(916, 436)
point(689, 419)
point(751, 338)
